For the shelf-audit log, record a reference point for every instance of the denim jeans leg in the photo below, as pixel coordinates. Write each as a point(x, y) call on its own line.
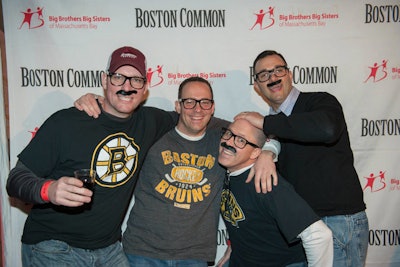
point(190, 263)
point(360, 242)
point(49, 253)
point(113, 255)
point(55, 253)
point(141, 261)
point(350, 239)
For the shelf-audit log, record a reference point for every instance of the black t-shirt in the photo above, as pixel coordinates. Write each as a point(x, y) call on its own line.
point(263, 228)
point(114, 147)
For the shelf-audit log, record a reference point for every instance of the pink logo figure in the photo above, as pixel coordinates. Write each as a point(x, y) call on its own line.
point(152, 79)
point(29, 16)
point(33, 133)
point(371, 181)
point(378, 72)
point(260, 16)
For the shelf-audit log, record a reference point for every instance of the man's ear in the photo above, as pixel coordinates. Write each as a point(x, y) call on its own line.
point(291, 75)
point(178, 107)
point(104, 80)
point(256, 152)
point(146, 90)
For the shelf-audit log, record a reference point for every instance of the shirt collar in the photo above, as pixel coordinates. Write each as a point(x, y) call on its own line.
point(188, 137)
point(239, 172)
point(287, 106)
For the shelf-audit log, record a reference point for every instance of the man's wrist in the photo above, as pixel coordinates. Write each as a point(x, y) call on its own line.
point(274, 146)
point(44, 191)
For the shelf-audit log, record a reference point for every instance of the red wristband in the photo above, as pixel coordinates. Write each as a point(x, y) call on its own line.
point(228, 242)
point(44, 192)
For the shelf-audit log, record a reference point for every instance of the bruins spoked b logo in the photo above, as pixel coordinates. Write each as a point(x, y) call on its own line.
point(115, 160)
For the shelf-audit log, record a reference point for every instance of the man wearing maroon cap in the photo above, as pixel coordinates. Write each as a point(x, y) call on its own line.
point(70, 225)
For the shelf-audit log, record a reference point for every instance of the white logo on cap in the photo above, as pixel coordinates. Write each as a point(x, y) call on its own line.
point(128, 55)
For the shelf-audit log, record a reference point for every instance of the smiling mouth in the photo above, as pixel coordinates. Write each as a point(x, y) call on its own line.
point(197, 118)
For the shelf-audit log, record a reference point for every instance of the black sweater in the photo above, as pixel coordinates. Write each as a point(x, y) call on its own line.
point(316, 156)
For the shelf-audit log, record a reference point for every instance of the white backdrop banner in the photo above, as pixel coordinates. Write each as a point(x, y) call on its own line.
point(57, 49)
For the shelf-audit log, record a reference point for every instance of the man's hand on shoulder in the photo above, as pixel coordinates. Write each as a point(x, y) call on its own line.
point(264, 173)
point(88, 103)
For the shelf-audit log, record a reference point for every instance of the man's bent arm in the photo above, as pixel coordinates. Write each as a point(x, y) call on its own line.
point(22, 183)
point(318, 244)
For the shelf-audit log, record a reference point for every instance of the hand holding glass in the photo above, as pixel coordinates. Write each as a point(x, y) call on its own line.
point(87, 176)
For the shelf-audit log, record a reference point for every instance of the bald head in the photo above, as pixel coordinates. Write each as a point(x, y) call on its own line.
point(231, 155)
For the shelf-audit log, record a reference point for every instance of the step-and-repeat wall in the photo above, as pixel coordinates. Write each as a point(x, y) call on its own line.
point(56, 50)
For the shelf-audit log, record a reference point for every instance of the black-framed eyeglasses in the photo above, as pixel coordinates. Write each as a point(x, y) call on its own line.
point(240, 142)
point(118, 79)
point(190, 103)
point(265, 75)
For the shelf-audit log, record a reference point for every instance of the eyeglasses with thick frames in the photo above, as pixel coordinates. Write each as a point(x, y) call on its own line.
point(265, 75)
point(190, 103)
point(118, 79)
point(240, 142)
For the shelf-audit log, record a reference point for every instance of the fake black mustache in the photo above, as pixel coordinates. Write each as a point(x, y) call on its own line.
point(122, 92)
point(274, 83)
point(230, 148)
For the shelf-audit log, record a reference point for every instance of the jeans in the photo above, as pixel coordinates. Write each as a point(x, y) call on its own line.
point(55, 253)
point(350, 239)
point(140, 261)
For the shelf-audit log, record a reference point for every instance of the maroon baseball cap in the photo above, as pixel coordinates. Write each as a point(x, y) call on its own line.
point(127, 56)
